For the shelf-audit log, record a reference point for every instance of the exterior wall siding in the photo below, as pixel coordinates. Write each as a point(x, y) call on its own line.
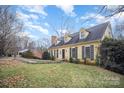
point(79, 51)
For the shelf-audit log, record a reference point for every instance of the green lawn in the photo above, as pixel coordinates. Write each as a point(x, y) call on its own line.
point(17, 74)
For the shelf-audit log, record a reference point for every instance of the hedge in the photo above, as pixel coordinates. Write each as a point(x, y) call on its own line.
point(112, 55)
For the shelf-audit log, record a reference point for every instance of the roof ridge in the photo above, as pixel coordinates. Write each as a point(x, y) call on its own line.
point(108, 22)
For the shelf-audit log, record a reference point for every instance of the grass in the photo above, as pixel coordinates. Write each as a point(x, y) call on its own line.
point(18, 74)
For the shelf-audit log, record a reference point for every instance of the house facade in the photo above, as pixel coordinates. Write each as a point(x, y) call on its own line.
point(81, 45)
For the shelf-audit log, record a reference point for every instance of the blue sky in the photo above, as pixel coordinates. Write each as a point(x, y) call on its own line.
point(39, 21)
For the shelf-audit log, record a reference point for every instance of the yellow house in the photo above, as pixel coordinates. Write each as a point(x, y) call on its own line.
point(81, 45)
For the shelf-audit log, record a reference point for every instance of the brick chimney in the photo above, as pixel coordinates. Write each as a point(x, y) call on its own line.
point(53, 40)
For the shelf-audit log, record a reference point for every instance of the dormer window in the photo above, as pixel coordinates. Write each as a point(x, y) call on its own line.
point(58, 41)
point(83, 34)
point(67, 38)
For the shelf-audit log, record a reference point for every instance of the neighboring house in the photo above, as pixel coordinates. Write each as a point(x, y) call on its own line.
point(36, 53)
point(84, 44)
point(22, 51)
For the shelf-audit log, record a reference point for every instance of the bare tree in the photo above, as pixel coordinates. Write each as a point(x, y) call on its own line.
point(9, 27)
point(65, 25)
point(31, 45)
point(43, 44)
point(117, 10)
point(23, 42)
point(119, 33)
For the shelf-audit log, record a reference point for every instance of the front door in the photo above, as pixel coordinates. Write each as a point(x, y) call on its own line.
point(63, 53)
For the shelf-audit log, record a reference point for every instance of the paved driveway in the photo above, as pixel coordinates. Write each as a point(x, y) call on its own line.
point(27, 60)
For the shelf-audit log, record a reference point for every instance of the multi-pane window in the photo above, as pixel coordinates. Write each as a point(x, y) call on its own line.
point(74, 52)
point(54, 53)
point(51, 53)
point(83, 56)
point(92, 52)
point(87, 52)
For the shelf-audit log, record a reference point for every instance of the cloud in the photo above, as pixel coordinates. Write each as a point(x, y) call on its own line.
point(22, 16)
point(92, 16)
point(35, 9)
point(38, 28)
point(27, 34)
point(30, 21)
point(46, 24)
point(33, 16)
point(26, 17)
point(68, 9)
point(97, 18)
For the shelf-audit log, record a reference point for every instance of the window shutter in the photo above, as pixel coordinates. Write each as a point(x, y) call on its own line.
point(92, 52)
point(57, 53)
point(70, 52)
point(76, 54)
point(54, 53)
point(82, 52)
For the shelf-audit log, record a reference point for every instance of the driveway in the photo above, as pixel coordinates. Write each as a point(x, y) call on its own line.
point(27, 60)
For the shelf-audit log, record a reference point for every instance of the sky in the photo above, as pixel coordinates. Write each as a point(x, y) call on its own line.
point(43, 21)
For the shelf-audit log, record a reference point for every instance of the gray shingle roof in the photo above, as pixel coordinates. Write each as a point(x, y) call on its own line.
point(95, 33)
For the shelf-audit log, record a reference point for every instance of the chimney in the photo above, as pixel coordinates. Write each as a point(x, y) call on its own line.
point(53, 40)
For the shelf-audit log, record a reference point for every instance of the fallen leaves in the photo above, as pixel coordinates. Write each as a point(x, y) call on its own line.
point(9, 63)
point(12, 81)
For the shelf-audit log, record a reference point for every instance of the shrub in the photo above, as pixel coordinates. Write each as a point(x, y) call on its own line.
point(74, 60)
point(46, 55)
point(77, 61)
point(27, 54)
point(52, 58)
point(71, 60)
point(112, 55)
point(9, 55)
point(97, 60)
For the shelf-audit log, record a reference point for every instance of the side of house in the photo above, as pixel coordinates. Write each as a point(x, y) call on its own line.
point(81, 45)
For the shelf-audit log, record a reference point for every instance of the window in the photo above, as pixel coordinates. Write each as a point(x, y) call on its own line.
point(74, 52)
point(83, 56)
point(51, 53)
point(87, 52)
point(83, 34)
point(92, 52)
point(54, 53)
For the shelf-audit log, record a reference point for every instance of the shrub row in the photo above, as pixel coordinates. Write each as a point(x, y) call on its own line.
point(27, 54)
point(46, 56)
